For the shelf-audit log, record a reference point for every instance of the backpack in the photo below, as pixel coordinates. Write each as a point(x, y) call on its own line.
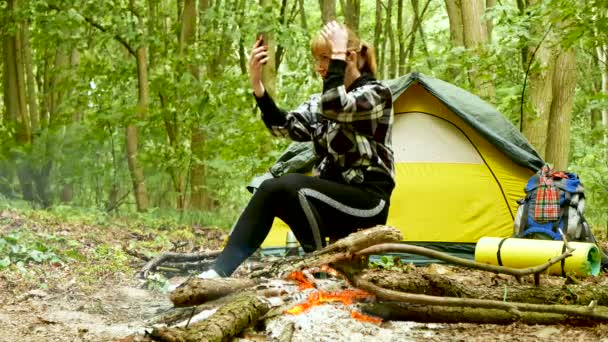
point(554, 200)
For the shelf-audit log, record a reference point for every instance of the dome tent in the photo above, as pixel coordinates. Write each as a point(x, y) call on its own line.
point(460, 166)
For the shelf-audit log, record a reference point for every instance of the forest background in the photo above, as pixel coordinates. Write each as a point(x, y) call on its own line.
point(124, 107)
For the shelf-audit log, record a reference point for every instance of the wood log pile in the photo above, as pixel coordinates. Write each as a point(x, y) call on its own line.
point(508, 295)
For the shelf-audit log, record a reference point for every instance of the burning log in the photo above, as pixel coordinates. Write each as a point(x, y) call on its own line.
point(198, 291)
point(228, 321)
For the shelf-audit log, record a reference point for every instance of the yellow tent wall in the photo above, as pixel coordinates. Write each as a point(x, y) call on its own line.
point(454, 202)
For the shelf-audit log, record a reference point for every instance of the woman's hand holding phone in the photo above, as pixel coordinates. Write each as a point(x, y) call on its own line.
point(257, 59)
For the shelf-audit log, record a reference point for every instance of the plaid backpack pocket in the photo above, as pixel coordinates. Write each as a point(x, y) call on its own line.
point(547, 208)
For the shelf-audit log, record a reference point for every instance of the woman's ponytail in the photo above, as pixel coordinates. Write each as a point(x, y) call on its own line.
point(368, 58)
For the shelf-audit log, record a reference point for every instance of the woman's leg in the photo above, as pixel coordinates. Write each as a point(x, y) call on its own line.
point(313, 208)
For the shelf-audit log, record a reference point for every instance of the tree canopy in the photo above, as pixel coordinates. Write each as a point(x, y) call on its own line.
point(132, 105)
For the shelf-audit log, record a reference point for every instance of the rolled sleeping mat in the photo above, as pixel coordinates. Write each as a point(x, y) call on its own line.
point(524, 253)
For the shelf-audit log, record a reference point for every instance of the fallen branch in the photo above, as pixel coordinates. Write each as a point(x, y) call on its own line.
point(518, 273)
point(341, 250)
point(175, 257)
point(417, 282)
point(390, 295)
point(188, 266)
point(198, 291)
point(228, 321)
point(396, 311)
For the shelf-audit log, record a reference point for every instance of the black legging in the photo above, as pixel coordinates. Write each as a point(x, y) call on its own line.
point(313, 208)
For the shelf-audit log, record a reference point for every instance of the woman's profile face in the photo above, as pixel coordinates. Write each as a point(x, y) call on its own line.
point(322, 63)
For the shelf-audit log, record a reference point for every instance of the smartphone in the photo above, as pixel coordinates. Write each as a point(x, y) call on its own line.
point(263, 36)
point(263, 41)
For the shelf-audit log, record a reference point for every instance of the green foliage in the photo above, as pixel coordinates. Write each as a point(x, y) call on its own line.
point(81, 143)
point(387, 262)
point(19, 248)
point(590, 162)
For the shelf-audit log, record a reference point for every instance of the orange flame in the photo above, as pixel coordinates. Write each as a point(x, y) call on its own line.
point(345, 297)
point(300, 278)
point(365, 318)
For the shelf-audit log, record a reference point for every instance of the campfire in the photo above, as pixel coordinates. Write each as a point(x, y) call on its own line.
point(320, 297)
point(286, 292)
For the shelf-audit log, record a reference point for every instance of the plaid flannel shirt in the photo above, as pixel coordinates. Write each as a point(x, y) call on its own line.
point(350, 129)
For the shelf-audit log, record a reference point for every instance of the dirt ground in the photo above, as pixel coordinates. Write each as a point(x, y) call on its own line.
point(54, 302)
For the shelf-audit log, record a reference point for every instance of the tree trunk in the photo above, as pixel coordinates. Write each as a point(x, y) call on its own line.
point(474, 32)
point(226, 322)
point(31, 80)
point(328, 10)
point(475, 38)
point(602, 53)
point(188, 30)
point(136, 170)
point(352, 13)
point(22, 93)
point(45, 86)
point(198, 196)
point(539, 66)
point(564, 86)
point(400, 39)
point(378, 34)
point(455, 18)
point(392, 69)
point(536, 113)
point(422, 36)
point(383, 54)
point(489, 23)
point(283, 20)
point(456, 30)
point(152, 30)
point(269, 72)
point(303, 22)
point(14, 101)
point(241, 19)
point(67, 193)
point(55, 94)
point(412, 34)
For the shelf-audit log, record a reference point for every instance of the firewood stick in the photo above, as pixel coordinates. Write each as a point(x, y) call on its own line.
point(228, 321)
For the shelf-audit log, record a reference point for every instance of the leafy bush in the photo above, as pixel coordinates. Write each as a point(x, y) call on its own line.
point(20, 248)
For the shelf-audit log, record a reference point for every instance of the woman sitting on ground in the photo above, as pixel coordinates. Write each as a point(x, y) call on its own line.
point(350, 125)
